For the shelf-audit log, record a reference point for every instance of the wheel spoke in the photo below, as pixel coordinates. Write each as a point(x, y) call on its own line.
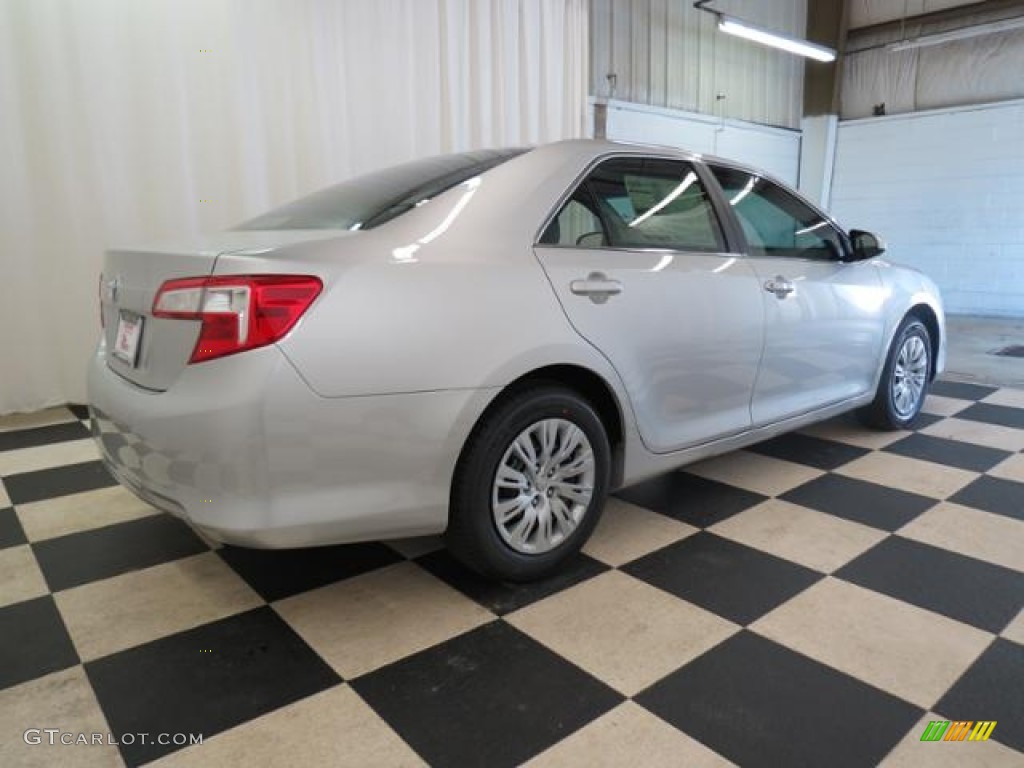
point(545, 523)
point(571, 440)
point(521, 533)
point(581, 463)
point(510, 477)
point(548, 441)
point(901, 398)
point(579, 494)
point(562, 516)
point(507, 510)
point(523, 448)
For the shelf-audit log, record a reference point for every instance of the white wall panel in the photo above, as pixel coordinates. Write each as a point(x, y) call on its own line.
point(945, 189)
point(774, 150)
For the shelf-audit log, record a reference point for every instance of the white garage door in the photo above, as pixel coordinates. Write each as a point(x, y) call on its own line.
point(775, 150)
point(945, 189)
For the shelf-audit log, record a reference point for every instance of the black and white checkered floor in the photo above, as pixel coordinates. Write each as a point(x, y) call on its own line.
point(814, 600)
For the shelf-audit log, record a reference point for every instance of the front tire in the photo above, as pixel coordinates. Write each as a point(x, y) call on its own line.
point(530, 485)
point(904, 382)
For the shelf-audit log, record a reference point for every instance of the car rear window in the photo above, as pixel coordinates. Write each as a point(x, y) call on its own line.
point(368, 201)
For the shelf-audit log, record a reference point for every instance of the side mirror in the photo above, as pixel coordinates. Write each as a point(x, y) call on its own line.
point(865, 245)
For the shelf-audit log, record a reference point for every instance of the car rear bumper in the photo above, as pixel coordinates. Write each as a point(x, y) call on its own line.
point(243, 450)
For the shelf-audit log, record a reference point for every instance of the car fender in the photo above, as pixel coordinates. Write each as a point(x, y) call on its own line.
point(907, 288)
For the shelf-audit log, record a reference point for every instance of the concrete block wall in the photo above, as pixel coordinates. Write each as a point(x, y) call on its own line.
point(945, 189)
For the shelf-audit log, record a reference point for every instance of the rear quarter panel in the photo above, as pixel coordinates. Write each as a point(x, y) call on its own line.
point(447, 296)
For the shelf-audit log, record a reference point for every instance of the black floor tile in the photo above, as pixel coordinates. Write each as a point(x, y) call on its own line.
point(992, 689)
point(80, 558)
point(735, 581)
point(1000, 415)
point(80, 411)
point(33, 641)
point(875, 505)
point(951, 453)
point(972, 591)
point(809, 450)
point(993, 494)
point(760, 704)
point(275, 574)
point(54, 433)
point(690, 499)
point(59, 481)
point(505, 597)
point(925, 420)
point(491, 697)
point(960, 390)
point(206, 680)
point(11, 533)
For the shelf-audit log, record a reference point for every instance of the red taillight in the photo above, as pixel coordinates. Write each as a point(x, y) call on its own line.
point(238, 312)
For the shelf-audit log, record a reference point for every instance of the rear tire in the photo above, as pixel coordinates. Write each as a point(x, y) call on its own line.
point(903, 385)
point(530, 485)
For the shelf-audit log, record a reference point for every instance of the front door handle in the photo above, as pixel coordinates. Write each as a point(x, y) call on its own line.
point(780, 286)
point(597, 286)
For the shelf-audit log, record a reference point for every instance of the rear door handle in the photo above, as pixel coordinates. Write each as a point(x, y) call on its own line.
point(597, 286)
point(780, 286)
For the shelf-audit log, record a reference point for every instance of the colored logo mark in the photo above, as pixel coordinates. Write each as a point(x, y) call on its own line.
point(958, 730)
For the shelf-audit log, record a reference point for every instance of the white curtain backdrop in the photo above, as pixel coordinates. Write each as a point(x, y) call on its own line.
point(126, 121)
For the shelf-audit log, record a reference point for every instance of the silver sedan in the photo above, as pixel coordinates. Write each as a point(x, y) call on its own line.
point(485, 344)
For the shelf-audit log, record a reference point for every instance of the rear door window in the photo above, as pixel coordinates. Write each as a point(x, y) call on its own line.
point(639, 203)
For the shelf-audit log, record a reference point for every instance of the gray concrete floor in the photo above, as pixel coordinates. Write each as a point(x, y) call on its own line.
point(972, 342)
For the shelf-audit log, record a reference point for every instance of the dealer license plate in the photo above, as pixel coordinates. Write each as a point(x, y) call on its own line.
point(129, 333)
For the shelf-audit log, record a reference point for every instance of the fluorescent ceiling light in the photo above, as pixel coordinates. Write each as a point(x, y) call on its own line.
point(958, 34)
point(739, 28)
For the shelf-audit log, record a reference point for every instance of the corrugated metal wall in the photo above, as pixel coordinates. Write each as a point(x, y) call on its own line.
point(667, 54)
point(864, 13)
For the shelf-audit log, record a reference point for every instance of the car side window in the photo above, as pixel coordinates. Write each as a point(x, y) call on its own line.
point(641, 203)
point(576, 224)
point(775, 222)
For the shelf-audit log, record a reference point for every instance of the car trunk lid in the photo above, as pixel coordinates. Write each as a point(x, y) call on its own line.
point(152, 351)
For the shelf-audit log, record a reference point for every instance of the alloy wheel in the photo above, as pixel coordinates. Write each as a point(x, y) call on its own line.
point(910, 373)
point(543, 486)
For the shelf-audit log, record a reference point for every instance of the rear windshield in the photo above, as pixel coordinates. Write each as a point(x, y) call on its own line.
point(368, 201)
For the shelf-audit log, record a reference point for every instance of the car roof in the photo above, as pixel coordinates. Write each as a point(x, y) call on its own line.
point(599, 147)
